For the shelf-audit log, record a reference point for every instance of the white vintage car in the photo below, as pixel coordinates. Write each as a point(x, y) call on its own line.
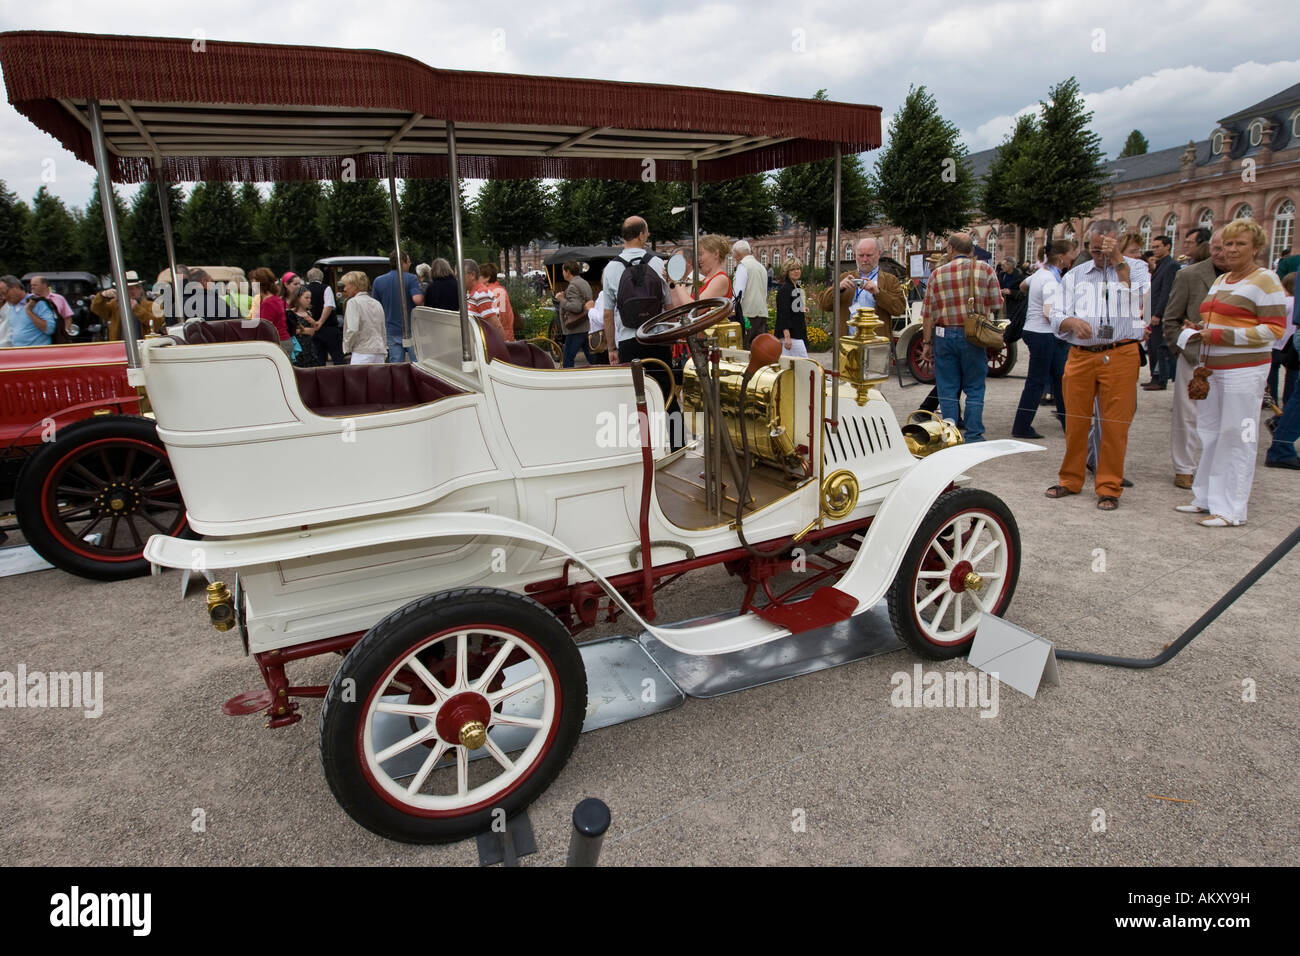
point(449, 525)
point(477, 517)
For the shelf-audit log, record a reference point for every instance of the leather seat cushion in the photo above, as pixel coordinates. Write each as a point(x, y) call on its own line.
point(230, 330)
point(342, 390)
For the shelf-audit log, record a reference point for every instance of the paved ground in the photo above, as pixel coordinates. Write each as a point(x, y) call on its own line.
point(725, 781)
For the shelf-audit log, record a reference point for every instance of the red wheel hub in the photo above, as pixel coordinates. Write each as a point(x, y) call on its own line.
point(460, 710)
point(957, 580)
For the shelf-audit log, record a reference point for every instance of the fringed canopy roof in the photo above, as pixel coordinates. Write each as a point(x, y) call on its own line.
point(209, 110)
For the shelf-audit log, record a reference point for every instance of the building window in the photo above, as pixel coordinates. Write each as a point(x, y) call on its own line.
point(1283, 229)
point(731, 263)
point(1144, 230)
point(1121, 226)
point(1243, 212)
point(764, 259)
point(789, 253)
point(776, 258)
point(1295, 125)
point(821, 256)
point(1171, 227)
point(1029, 246)
point(848, 251)
point(893, 249)
point(1206, 219)
point(991, 243)
point(1256, 132)
point(1216, 143)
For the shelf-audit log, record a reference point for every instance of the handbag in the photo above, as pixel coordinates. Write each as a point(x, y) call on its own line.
point(981, 328)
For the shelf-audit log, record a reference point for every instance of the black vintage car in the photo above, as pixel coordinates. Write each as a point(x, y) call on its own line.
point(78, 288)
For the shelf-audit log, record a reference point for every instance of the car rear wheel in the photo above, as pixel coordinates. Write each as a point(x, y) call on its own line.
point(89, 500)
point(454, 711)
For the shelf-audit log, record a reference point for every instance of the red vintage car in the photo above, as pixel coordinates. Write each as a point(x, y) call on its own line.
point(89, 478)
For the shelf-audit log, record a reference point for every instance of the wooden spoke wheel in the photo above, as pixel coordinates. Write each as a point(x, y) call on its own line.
point(456, 707)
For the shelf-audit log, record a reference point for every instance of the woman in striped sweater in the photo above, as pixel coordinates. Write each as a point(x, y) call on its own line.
point(1242, 315)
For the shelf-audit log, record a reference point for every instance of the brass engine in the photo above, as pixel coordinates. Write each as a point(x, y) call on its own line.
point(769, 412)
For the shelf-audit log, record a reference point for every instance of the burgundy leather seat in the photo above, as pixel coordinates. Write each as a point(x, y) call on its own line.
point(515, 353)
point(230, 330)
point(338, 391)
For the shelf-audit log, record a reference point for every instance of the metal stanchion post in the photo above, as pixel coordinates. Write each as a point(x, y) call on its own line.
point(590, 821)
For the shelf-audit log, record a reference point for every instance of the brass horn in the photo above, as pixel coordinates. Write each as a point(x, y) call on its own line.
point(926, 433)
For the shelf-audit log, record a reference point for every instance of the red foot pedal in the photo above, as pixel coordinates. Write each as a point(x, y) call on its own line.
point(827, 606)
point(252, 702)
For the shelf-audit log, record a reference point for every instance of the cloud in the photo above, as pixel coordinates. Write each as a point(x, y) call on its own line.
point(1169, 106)
point(1170, 72)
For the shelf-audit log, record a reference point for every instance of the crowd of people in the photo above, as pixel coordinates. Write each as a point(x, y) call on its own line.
point(1215, 324)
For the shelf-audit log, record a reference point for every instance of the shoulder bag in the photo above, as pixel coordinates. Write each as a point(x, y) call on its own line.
point(981, 328)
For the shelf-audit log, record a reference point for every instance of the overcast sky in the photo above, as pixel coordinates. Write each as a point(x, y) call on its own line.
point(1170, 69)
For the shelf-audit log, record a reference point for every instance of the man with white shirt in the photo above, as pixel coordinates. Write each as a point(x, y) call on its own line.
point(1099, 312)
point(750, 287)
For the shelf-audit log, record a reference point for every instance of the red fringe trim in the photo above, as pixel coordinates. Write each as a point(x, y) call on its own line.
point(42, 67)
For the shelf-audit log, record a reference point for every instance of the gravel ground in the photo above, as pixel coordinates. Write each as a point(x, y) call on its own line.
point(731, 780)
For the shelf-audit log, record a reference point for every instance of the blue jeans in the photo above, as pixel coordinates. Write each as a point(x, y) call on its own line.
point(575, 342)
point(959, 367)
point(1288, 430)
point(1047, 355)
point(396, 353)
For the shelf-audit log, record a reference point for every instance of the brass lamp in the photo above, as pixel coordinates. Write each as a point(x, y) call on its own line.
point(725, 335)
point(864, 356)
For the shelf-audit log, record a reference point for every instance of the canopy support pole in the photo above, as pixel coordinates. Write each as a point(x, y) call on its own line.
point(695, 227)
point(712, 427)
point(453, 176)
point(397, 250)
point(130, 334)
point(168, 240)
point(832, 263)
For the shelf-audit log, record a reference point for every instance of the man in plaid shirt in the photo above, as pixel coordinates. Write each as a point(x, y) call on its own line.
point(958, 365)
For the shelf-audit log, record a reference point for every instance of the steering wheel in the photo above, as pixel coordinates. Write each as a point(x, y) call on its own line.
point(683, 321)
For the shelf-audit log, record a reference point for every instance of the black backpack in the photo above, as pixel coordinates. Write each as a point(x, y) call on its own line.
point(640, 294)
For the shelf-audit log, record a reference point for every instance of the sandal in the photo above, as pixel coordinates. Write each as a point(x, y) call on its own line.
point(1218, 521)
point(1191, 509)
point(1059, 491)
point(1107, 503)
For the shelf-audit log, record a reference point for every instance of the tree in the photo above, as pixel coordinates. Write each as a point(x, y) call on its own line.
point(807, 194)
point(512, 212)
point(291, 224)
point(591, 211)
point(923, 180)
point(355, 219)
point(1135, 145)
point(51, 235)
point(738, 207)
point(94, 235)
point(1005, 195)
point(143, 243)
point(1066, 160)
point(213, 227)
point(425, 210)
point(13, 231)
point(249, 205)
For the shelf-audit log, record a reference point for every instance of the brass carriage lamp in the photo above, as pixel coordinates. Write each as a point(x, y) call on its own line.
point(864, 356)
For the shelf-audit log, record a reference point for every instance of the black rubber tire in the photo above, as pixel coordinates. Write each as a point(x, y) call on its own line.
point(902, 610)
point(389, 642)
point(100, 445)
point(1003, 369)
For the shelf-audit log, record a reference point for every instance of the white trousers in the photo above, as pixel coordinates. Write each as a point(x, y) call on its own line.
point(367, 358)
point(1184, 442)
point(1228, 425)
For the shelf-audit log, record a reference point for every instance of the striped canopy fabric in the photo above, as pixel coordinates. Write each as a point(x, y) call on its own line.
point(208, 110)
